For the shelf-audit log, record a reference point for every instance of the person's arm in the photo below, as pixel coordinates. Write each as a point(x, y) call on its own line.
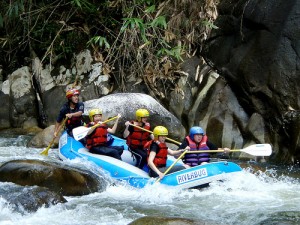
point(127, 129)
point(184, 145)
point(59, 120)
point(211, 146)
point(78, 113)
point(214, 147)
point(175, 152)
point(57, 128)
point(114, 128)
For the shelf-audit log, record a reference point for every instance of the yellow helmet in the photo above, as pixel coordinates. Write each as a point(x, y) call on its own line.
point(94, 112)
point(160, 131)
point(140, 113)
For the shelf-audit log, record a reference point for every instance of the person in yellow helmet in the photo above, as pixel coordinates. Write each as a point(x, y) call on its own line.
point(158, 152)
point(136, 138)
point(73, 110)
point(96, 140)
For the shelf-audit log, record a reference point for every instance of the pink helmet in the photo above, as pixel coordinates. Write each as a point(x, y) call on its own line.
point(72, 92)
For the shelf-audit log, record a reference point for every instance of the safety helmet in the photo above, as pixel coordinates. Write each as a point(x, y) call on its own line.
point(94, 112)
point(160, 131)
point(72, 92)
point(140, 113)
point(195, 130)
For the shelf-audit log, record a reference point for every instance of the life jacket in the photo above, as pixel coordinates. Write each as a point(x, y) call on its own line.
point(138, 138)
point(98, 137)
point(74, 121)
point(160, 159)
point(197, 158)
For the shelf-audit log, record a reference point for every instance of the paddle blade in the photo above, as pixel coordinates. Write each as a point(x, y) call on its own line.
point(45, 151)
point(80, 132)
point(258, 150)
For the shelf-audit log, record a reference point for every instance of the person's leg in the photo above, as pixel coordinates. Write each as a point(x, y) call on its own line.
point(143, 157)
point(103, 150)
point(118, 148)
point(138, 157)
point(172, 170)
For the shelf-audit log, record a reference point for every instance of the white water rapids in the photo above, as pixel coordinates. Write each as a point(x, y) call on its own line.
point(248, 198)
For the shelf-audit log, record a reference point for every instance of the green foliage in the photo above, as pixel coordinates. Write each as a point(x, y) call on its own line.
point(159, 21)
point(83, 4)
point(209, 24)
point(15, 8)
point(142, 38)
point(175, 52)
point(100, 41)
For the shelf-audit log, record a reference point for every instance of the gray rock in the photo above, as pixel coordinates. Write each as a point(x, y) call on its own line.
point(58, 178)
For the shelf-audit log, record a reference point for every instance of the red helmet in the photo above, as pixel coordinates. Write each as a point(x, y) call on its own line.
point(72, 92)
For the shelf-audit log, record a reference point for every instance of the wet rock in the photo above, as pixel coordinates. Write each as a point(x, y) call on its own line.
point(150, 220)
point(29, 199)
point(43, 138)
point(58, 178)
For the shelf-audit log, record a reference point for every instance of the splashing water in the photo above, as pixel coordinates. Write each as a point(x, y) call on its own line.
point(246, 198)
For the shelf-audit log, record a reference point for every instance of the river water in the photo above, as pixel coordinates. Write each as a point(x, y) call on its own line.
point(252, 197)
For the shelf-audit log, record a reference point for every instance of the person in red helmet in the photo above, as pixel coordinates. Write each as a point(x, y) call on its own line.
point(73, 110)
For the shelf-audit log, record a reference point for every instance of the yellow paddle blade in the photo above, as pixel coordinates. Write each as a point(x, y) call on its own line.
point(45, 151)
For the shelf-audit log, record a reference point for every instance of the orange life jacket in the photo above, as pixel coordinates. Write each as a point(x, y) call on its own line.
point(138, 138)
point(97, 137)
point(160, 159)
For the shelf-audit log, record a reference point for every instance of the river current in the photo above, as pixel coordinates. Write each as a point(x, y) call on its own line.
point(268, 196)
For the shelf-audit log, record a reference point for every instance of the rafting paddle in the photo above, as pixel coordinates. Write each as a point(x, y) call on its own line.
point(176, 142)
point(256, 150)
point(45, 151)
point(81, 132)
point(170, 167)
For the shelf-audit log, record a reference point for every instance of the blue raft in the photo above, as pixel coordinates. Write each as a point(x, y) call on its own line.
point(125, 170)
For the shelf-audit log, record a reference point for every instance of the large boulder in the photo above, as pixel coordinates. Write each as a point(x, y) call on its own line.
point(127, 103)
point(22, 99)
point(58, 178)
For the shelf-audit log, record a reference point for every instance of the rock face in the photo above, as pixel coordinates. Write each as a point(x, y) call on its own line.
point(257, 50)
point(61, 179)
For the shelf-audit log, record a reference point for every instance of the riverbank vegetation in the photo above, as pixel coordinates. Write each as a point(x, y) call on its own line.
point(143, 40)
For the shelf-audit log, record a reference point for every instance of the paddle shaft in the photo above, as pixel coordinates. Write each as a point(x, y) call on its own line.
point(256, 150)
point(176, 142)
point(45, 151)
point(170, 167)
point(105, 121)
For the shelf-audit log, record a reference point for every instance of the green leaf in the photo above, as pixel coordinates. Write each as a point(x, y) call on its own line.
point(159, 22)
point(100, 41)
point(209, 24)
point(150, 9)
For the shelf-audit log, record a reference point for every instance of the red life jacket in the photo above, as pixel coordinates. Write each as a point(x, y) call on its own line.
point(97, 137)
point(138, 138)
point(201, 146)
point(160, 159)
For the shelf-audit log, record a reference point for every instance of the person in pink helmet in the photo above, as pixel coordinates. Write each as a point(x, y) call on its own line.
point(73, 110)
